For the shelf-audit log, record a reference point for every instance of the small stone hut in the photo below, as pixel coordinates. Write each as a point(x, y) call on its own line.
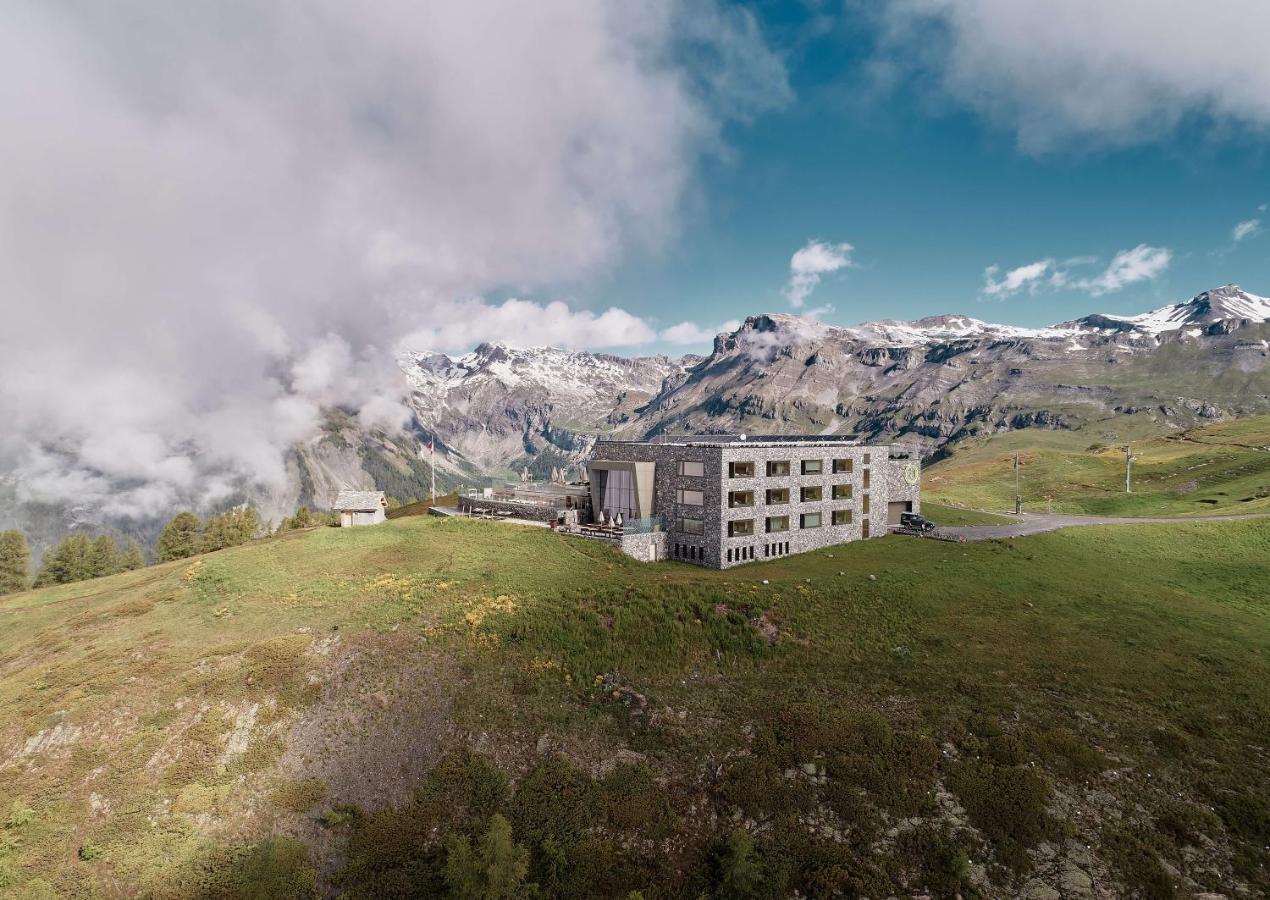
point(360, 508)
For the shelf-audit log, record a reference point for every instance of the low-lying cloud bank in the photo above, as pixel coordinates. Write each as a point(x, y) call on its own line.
point(214, 216)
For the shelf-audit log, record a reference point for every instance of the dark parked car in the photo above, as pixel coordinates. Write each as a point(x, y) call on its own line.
point(914, 522)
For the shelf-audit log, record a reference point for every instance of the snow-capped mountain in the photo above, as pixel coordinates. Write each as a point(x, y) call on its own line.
point(499, 408)
point(927, 381)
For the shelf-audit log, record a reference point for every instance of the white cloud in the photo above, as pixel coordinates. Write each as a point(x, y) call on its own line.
point(1127, 267)
point(1029, 277)
point(1246, 229)
point(809, 264)
point(525, 323)
point(217, 217)
point(692, 333)
point(1112, 71)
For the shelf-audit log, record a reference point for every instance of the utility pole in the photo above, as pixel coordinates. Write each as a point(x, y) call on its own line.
point(1018, 499)
point(1128, 463)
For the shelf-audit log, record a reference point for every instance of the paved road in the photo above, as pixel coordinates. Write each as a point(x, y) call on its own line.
point(1036, 523)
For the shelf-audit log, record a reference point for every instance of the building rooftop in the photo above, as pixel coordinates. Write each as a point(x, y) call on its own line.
point(358, 501)
point(755, 440)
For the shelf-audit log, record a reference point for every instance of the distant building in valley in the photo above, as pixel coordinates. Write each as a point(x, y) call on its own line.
point(360, 507)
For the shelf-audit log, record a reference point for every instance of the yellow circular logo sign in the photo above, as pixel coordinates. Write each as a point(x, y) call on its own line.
point(911, 473)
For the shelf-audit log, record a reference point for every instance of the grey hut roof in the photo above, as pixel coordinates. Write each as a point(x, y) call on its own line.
point(359, 501)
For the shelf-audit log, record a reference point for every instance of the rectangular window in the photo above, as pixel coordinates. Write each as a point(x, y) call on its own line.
point(740, 470)
point(777, 467)
point(864, 528)
point(842, 517)
point(690, 498)
point(813, 466)
point(866, 479)
point(692, 469)
point(864, 504)
point(811, 494)
point(729, 554)
point(842, 492)
point(777, 496)
point(867, 457)
point(842, 466)
point(740, 527)
point(809, 520)
point(617, 493)
point(691, 526)
point(777, 523)
point(786, 550)
point(740, 498)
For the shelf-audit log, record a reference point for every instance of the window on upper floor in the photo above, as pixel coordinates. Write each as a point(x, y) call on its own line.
point(843, 466)
point(811, 493)
point(809, 520)
point(777, 496)
point(842, 492)
point(740, 498)
point(689, 497)
point(842, 517)
point(813, 466)
point(741, 470)
point(692, 468)
point(777, 467)
point(777, 523)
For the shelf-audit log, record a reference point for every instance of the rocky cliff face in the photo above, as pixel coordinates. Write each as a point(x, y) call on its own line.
point(929, 382)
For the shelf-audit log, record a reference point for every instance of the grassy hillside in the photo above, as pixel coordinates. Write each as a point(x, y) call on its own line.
point(1223, 468)
point(320, 710)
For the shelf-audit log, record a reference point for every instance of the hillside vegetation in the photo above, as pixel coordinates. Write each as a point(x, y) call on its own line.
point(331, 710)
point(1222, 468)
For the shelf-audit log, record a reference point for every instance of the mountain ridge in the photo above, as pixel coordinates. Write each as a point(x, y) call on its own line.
point(928, 381)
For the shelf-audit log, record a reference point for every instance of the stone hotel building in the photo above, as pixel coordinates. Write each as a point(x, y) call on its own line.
point(720, 500)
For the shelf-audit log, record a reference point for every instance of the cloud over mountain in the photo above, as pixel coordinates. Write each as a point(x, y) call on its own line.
point(214, 216)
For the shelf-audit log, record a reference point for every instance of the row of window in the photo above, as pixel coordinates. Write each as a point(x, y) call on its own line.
point(740, 554)
point(774, 496)
point(690, 552)
point(776, 524)
point(743, 527)
point(780, 467)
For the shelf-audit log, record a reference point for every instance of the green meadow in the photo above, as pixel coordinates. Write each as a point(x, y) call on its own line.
point(1218, 469)
point(326, 711)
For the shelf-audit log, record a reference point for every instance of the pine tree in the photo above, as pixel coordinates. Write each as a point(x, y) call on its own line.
point(738, 871)
point(495, 870)
point(231, 528)
point(180, 537)
point(15, 561)
point(302, 518)
point(103, 557)
point(68, 561)
point(132, 558)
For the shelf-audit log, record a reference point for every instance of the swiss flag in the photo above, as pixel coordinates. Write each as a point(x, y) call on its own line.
point(430, 445)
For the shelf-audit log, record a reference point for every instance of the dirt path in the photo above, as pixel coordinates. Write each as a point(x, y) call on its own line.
point(1036, 523)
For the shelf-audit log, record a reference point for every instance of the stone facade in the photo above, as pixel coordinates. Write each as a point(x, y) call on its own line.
point(730, 524)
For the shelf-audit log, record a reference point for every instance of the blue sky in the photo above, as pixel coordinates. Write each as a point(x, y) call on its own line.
point(930, 191)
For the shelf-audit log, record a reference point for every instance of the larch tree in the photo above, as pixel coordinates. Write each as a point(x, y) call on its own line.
point(132, 558)
point(181, 537)
point(103, 557)
point(15, 561)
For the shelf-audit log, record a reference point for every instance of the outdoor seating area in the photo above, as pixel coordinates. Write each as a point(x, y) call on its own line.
point(489, 512)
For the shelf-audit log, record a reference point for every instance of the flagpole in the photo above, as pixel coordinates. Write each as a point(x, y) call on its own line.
point(432, 465)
